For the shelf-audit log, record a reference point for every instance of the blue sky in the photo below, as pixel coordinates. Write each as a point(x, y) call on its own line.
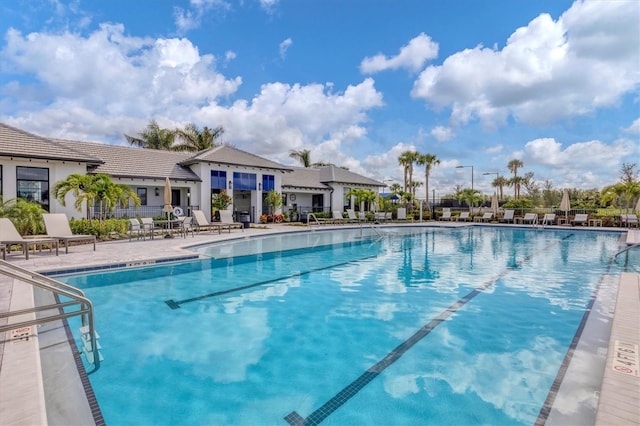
point(477, 83)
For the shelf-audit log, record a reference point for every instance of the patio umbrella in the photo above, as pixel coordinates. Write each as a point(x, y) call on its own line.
point(494, 204)
point(168, 208)
point(564, 204)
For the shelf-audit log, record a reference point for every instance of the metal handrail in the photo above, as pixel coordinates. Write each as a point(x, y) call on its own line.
point(76, 295)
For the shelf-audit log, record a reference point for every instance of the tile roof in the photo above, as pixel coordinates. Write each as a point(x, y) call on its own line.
point(124, 161)
point(303, 177)
point(332, 173)
point(18, 143)
point(225, 154)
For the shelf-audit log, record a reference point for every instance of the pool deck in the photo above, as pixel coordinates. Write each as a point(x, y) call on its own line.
point(26, 396)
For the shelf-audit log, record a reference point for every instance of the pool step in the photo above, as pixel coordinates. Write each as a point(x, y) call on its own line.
point(87, 348)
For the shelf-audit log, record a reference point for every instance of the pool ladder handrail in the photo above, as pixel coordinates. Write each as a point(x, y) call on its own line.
point(76, 295)
point(626, 249)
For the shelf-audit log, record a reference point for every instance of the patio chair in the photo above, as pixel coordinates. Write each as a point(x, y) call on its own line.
point(487, 217)
point(380, 216)
point(149, 226)
point(201, 223)
point(338, 217)
point(464, 217)
point(531, 218)
point(508, 216)
point(226, 221)
point(629, 220)
point(57, 226)
point(9, 236)
point(186, 225)
point(580, 219)
point(446, 215)
point(362, 216)
point(548, 219)
point(136, 228)
point(352, 216)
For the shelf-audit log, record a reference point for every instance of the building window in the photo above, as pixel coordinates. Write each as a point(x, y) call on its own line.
point(32, 184)
point(268, 183)
point(244, 181)
point(218, 179)
point(142, 194)
point(347, 198)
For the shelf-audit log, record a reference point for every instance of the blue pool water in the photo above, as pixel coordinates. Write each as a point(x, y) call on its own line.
point(402, 326)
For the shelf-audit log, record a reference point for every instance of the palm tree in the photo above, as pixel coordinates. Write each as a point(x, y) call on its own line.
point(470, 196)
point(94, 189)
point(303, 156)
point(500, 182)
point(621, 194)
point(428, 161)
point(513, 167)
point(395, 188)
point(153, 137)
point(193, 139)
point(407, 160)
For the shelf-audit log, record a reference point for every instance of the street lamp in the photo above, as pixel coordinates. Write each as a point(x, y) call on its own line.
point(462, 167)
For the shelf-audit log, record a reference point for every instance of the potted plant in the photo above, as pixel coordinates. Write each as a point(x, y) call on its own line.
point(220, 201)
point(273, 199)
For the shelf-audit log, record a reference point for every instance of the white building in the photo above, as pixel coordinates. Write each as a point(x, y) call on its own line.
point(31, 165)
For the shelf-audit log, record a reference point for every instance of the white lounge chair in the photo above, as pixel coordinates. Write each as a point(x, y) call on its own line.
point(548, 219)
point(136, 228)
point(201, 223)
point(338, 217)
point(446, 215)
point(580, 219)
point(57, 226)
point(226, 221)
point(381, 216)
point(531, 218)
point(486, 217)
point(9, 236)
point(352, 216)
point(629, 220)
point(508, 216)
point(464, 217)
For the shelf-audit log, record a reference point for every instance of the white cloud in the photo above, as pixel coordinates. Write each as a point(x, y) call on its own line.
point(548, 70)
point(190, 19)
point(441, 133)
point(634, 128)
point(413, 56)
point(284, 46)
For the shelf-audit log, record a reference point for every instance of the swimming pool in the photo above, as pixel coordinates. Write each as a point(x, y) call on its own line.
point(401, 326)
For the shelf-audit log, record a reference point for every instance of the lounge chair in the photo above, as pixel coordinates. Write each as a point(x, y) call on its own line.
point(548, 219)
point(9, 236)
point(629, 220)
point(338, 217)
point(57, 226)
point(226, 221)
point(531, 218)
point(352, 216)
point(508, 216)
point(487, 217)
point(381, 216)
point(446, 215)
point(201, 223)
point(464, 216)
point(362, 216)
point(580, 219)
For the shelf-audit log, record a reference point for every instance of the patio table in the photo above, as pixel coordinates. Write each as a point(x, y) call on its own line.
point(167, 224)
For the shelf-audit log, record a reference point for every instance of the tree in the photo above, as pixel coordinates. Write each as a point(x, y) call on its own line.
point(273, 199)
point(470, 196)
point(362, 196)
point(395, 188)
point(192, 139)
point(500, 182)
point(303, 156)
point(628, 173)
point(513, 167)
point(153, 137)
point(621, 195)
point(428, 161)
point(94, 189)
point(407, 159)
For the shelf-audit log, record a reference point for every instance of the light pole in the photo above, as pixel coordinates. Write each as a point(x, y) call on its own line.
point(462, 167)
point(492, 173)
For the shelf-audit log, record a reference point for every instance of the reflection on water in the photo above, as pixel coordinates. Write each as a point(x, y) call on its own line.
point(287, 330)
